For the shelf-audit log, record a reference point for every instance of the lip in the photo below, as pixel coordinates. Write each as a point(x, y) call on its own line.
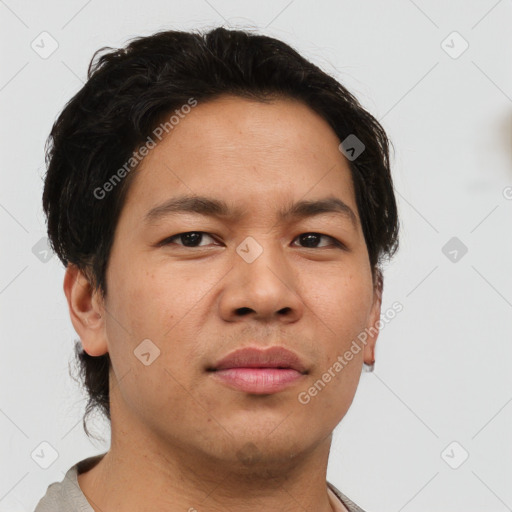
point(259, 371)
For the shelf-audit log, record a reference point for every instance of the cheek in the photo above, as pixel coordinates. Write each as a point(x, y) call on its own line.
point(151, 342)
point(341, 306)
point(343, 303)
point(162, 305)
point(150, 300)
point(329, 393)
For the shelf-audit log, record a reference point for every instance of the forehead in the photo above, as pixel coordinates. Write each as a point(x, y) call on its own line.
point(234, 124)
point(245, 150)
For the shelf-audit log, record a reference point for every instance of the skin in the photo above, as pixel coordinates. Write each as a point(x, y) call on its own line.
point(180, 439)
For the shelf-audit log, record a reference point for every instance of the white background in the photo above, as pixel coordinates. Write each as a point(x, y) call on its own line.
point(443, 364)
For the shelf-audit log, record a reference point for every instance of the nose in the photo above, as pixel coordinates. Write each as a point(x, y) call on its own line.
point(264, 289)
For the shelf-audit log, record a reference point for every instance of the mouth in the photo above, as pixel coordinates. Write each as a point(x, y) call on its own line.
point(256, 371)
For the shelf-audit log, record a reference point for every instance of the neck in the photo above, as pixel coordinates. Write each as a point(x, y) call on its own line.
point(148, 469)
point(172, 478)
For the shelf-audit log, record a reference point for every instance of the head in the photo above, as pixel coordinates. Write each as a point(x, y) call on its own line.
point(244, 121)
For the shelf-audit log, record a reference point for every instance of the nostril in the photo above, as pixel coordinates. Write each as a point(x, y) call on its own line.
point(243, 311)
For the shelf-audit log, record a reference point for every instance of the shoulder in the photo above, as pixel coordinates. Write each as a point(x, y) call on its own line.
point(57, 497)
point(349, 504)
point(66, 495)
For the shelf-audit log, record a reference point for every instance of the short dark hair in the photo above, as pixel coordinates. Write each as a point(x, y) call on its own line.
point(128, 93)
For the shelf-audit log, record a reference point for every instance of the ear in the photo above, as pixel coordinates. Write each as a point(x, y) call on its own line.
point(86, 310)
point(373, 319)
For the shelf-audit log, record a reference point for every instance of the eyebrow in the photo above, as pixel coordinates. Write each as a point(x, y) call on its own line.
point(208, 206)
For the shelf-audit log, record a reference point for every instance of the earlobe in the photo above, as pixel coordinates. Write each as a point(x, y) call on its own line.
point(86, 311)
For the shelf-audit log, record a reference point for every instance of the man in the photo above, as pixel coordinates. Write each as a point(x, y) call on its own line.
point(222, 207)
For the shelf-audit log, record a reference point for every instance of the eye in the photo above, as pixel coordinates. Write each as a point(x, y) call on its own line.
point(188, 239)
point(311, 239)
point(194, 239)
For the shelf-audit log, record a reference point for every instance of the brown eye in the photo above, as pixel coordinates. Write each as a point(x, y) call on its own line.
point(187, 239)
point(311, 240)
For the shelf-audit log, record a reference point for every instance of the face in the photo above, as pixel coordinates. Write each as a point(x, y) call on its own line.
point(249, 276)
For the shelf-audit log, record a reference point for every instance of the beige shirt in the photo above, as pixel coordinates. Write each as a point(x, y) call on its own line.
point(66, 495)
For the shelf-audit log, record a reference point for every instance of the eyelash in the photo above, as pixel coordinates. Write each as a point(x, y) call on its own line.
point(335, 242)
